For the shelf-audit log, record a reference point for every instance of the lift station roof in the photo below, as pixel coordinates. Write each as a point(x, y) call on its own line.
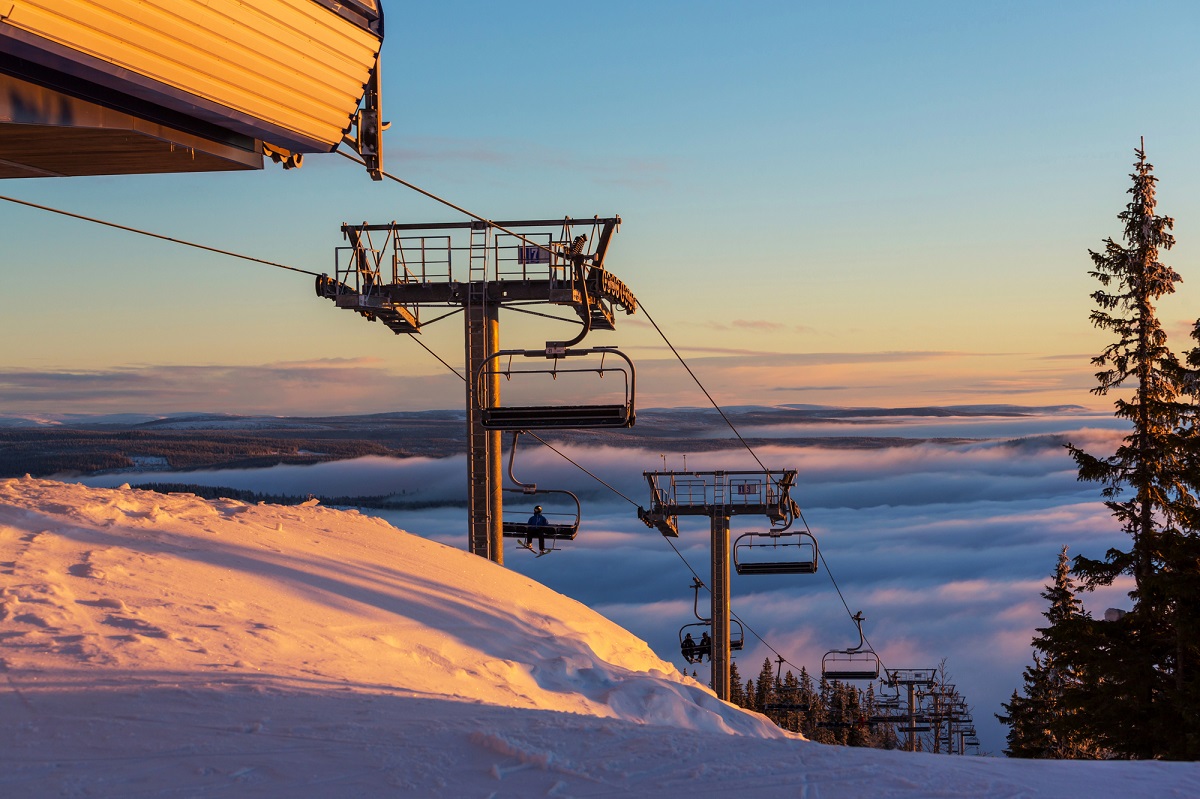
point(92, 87)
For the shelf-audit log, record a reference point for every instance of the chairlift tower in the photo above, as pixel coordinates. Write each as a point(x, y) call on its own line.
point(912, 679)
point(718, 495)
point(392, 272)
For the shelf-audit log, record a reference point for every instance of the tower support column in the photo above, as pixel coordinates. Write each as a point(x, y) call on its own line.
point(485, 533)
point(719, 581)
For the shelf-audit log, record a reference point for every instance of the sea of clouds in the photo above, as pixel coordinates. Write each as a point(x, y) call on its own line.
point(943, 537)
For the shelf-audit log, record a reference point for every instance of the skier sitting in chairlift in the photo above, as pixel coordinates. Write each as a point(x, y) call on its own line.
point(539, 521)
point(689, 648)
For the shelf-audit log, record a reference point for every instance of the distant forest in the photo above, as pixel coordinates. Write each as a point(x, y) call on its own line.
point(386, 502)
point(43, 452)
point(824, 712)
point(229, 442)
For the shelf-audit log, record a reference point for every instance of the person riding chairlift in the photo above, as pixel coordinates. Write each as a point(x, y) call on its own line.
point(689, 648)
point(539, 521)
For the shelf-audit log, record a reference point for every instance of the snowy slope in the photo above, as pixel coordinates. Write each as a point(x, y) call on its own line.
point(169, 646)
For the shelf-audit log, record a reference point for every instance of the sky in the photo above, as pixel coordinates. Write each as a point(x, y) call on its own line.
point(166, 646)
point(861, 204)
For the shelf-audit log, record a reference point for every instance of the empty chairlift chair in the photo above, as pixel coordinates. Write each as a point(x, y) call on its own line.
point(855, 663)
point(787, 699)
point(546, 415)
point(775, 552)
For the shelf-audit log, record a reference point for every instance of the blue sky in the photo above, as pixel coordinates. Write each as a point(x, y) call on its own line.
point(914, 182)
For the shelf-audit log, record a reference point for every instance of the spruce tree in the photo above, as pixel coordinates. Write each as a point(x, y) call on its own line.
point(1041, 722)
point(764, 687)
point(826, 713)
point(1148, 465)
point(1138, 691)
point(737, 692)
point(858, 731)
point(788, 692)
point(808, 696)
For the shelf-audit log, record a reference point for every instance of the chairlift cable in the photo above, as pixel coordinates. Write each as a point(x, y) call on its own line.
point(681, 556)
point(425, 347)
point(513, 307)
point(595, 477)
point(449, 204)
point(446, 315)
point(489, 222)
point(838, 588)
point(642, 307)
point(567, 458)
point(674, 351)
point(480, 218)
point(157, 235)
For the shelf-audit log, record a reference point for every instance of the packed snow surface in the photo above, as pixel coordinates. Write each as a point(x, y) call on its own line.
point(165, 646)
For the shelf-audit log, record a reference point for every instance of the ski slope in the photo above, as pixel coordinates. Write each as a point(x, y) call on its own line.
point(165, 646)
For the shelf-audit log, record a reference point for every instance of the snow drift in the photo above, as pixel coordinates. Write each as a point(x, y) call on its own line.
point(169, 646)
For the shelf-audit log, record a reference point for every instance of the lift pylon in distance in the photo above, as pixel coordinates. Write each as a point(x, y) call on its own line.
point(718, 495)
point(403, 274)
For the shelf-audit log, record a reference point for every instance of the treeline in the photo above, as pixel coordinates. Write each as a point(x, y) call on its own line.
point(385, 502)
point(828, 712)
point(43, 452)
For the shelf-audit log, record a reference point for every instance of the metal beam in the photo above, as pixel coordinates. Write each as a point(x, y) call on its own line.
point(519, 223)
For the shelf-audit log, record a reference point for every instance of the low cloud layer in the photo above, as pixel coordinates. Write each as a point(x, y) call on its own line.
point(944, 547)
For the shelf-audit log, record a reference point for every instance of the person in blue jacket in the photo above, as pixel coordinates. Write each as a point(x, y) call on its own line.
point(539, 521)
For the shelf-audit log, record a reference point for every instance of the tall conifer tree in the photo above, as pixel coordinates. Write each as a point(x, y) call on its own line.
point(1143, 479)
point(1136, 695)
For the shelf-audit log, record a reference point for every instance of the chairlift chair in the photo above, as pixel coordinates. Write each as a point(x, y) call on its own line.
point(737, 636)
point(841, 664)
point(787, 698)
point(558, 417)
point(884, 699)
point(852, 663)
point(775, 552)
point(737, 639)
point(562, 525)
